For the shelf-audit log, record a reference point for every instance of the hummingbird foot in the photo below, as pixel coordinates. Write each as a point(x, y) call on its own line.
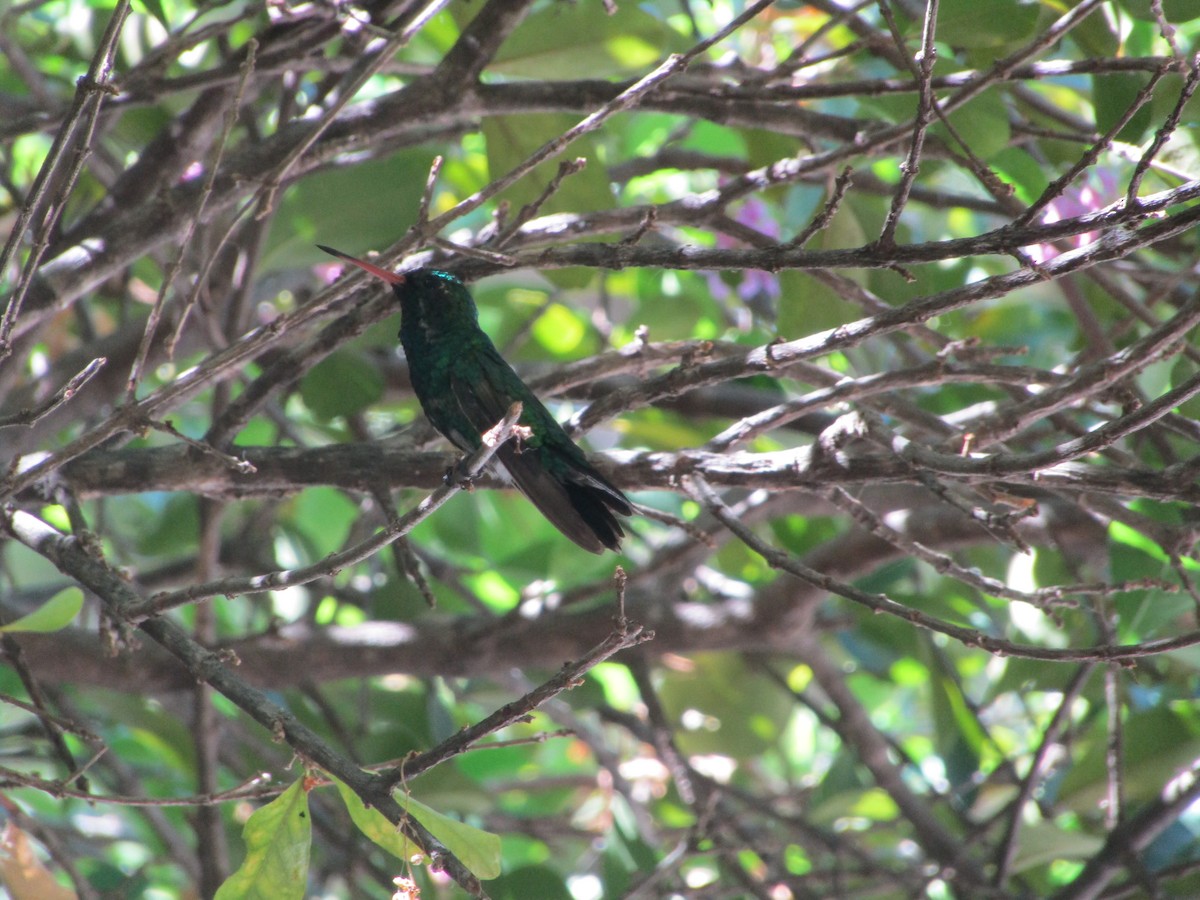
point(455, 475)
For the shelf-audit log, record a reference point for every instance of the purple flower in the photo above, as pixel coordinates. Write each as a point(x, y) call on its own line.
point(756, 288)
point(1095, 191)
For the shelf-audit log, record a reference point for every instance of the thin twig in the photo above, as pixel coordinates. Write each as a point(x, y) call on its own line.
point(923, 72)
point(91, 90)
point(880, 603)
point(34, 414)
point(623, 636)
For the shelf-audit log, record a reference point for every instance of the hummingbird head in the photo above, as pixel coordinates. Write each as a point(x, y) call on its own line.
point(429, 296)
point(435, 298)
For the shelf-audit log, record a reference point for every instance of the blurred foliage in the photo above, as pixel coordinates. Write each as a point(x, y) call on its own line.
point(766, 774)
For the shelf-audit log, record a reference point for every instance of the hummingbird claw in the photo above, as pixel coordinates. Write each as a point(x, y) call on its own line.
point(455, 476)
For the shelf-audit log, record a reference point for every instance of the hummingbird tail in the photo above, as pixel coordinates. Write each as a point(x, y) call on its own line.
point(594, 506)
point(583, 505)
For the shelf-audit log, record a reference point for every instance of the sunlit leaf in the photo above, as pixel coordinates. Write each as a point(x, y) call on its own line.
point(278, 837)
point(478, 850)
point(567, 37)
point(558, 329)
point(53, 615)
point(155, 8)
point(1016, 168)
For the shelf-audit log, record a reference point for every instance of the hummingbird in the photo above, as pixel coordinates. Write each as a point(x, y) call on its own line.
point(465, 387)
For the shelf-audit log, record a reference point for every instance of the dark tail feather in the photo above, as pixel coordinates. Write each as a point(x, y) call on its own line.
point(584, 508)
point(594, 506)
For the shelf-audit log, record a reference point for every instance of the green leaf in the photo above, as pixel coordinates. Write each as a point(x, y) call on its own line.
point(982, 124)
point(1020, 170)
point(373, 824)
point(1156, 741)
point(53, 615)
point(171, 529)
point(512, 139)
point(323, 516)
point(559, 330)
point(155, 8)
point(1112, 95)
point(340, 385)
point(709, 703)
point(959, 736)
point(719, 140)
point(869, 803)
point(355, 208)
point(1149, 613)
point(478, 850)
point(996, 23)
point(540, 881)
point(1132, 555)
point(1098, 36)
point(278, 837)
point(1182, 153)
point(1182, 370)
point(1042, 842)
point(809, 306)
point(583, 37)
point(1176, 11)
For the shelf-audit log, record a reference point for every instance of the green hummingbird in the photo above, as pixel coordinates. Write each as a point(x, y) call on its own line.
point(465, 387)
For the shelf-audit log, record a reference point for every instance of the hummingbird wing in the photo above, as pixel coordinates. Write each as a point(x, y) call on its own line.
point(548, 468)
